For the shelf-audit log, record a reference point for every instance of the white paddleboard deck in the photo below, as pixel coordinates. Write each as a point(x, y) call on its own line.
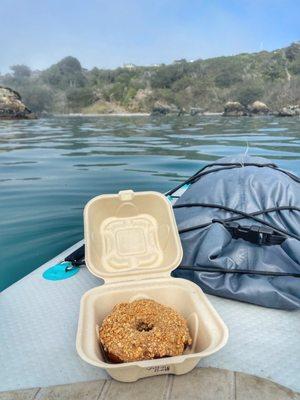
point(38, 323)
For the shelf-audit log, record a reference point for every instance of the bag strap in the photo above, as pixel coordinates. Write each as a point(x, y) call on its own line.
point(237, 271)
point(241, 215)
point(224, 166)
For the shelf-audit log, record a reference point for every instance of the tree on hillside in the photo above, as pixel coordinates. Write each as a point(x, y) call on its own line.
point(228, 71)
point(20, 71)
point(166, 75)
point(249, 93)
point(293, 51)
point(37, 98)
point(295, 66)
point(65, 74)
point(226, 79)
point(79, 97)
point(274, 68)
point(101, 76)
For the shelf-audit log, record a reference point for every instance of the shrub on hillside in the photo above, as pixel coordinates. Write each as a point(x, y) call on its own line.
point(295, 66)
point(37, 98)
point(79, 97)
point(166, 75)
point(229, 72)
point(248, 93)
point(275, 68)
point(117, 92)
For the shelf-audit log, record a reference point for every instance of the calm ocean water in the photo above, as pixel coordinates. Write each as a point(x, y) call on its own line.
point(50, 168)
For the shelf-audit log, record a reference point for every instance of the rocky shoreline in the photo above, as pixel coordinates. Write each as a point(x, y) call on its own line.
point(13, 108)
point(231, 109)
point(236, 109)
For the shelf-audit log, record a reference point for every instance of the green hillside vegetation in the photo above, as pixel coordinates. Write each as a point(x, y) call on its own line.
point(271, 77)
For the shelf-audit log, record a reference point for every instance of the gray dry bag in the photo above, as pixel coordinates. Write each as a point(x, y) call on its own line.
point(239, 227)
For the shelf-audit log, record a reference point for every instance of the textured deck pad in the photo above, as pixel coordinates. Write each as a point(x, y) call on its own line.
point(38, 323)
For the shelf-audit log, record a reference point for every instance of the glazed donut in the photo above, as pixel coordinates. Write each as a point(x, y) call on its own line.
point(143, 330)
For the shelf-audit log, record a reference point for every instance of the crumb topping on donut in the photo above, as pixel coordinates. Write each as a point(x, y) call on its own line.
point(143, 330)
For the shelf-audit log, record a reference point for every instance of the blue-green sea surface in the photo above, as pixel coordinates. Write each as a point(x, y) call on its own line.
point(49, 169)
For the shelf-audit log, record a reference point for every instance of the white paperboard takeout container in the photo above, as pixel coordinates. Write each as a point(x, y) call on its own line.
point(132, 243)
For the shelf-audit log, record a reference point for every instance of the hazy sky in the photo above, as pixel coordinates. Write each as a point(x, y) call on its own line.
point(108, 33)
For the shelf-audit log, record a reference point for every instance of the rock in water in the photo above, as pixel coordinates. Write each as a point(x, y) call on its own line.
point(289, 111)
point(258, 108)
point(196, 111)
point(234, 109)
point(11, 105)
point(164, 109)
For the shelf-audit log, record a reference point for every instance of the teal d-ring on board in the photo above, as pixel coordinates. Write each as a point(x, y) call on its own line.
point(58, 272)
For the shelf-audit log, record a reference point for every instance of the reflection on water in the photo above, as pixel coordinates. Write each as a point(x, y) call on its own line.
point(50, 168)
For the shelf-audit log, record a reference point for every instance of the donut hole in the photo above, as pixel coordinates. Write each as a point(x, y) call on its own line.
point(143, 326)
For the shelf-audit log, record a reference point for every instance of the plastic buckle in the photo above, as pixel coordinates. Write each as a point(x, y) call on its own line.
point(261, 234)
point(255, 234)
point(248, 233)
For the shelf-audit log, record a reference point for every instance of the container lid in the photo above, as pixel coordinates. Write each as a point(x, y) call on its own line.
point(131, 235)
